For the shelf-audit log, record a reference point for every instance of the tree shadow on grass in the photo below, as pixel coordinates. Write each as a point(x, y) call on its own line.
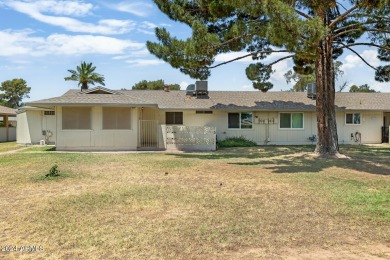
point(299, 159)
point(246, 152)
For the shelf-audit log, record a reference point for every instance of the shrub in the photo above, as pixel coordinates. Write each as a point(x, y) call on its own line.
point(238, 141)
point(53, 172)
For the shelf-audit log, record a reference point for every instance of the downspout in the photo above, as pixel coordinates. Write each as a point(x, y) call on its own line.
point(56, 113)
point(6, 127)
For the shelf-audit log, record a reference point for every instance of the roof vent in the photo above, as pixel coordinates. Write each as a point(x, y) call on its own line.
point(311, 90)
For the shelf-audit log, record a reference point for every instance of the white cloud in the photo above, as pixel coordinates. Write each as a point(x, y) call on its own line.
point(69, 8)
point(280, 69)
point(108, 26)
point(23, 43)
point(145, 31)
point(137, 8)
point(137, 53)
point(183, 85)
point(223, 57)
point(121, 57)
point(148, 25)
point(353, 61)
point(17, 43)
point(67, 44)
point(144, 62)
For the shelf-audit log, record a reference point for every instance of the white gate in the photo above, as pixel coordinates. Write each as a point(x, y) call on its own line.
point(191, 138)
point(148, 134)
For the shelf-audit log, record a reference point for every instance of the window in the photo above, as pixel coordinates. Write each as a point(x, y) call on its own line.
point(116, 118)
point(352, 118)
point(76, 118)
point(49, 113)
point(291, 120)
point(242, 120)
point(203, 112)
point(174, 118)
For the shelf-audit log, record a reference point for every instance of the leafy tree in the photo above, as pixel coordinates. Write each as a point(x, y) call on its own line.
point(301, 80)
point(308, 31)
point(13, 92)
point(85, 75)
point(362, 88)
point(154, 85)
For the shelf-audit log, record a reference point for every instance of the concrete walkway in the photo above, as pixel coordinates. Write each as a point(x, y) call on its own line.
point(15, 151)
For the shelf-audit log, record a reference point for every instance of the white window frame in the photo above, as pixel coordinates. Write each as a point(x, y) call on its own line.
point(353, 115)
point(239, 121)
point(291, 128)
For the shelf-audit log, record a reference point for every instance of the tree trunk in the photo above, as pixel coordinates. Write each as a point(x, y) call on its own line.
point(84, 86)
point(325, 94)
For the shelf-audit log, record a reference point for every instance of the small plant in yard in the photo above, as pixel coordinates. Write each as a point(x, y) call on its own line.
point(237, 141)
point(53, 172)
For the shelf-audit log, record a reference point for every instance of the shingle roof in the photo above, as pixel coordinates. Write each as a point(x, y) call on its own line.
point(6, 111)
point(219, 100)
point(76, 97)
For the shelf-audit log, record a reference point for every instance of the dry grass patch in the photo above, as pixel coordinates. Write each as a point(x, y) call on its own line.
point(263, 201)
point(9, 146)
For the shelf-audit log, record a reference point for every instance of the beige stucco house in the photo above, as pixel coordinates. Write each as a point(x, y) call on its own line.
point(103, 119)
point(7, 124)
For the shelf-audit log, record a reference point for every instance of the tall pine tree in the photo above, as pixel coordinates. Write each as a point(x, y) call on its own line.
point(308, 31)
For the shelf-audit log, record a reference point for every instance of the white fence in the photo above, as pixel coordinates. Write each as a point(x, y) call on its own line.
point(191, 138)
point(7, 134)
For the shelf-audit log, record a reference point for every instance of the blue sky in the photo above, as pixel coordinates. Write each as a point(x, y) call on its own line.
point(41, 40)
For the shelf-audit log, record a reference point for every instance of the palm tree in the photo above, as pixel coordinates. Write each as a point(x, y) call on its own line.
point(85, 75)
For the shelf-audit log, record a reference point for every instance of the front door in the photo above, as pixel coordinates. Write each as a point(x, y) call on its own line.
point(385, 128)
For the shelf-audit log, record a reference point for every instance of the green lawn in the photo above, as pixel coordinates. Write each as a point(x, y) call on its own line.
point(258, 202)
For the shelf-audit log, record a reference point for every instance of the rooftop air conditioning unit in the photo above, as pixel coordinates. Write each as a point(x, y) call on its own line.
point(201, 87)
point(311, 90)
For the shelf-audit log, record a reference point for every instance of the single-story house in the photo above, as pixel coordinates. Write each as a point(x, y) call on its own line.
point(104, 119)
point(7, 124)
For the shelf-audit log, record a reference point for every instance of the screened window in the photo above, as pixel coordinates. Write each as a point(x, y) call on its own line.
point(203, 112)
point(174, 118)
point(76, 118)
point(116, 118)
point(49, 113)
point(242, 120)
point(291, 120)
point(352, 118)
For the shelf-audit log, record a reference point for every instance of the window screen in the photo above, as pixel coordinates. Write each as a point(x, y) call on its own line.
point(116, 118)
point(285, 120)
point(291, 120)
point(76, 118)
point(246, 120)
point(174, 118)
point(352, 118)
point(49, 113)
point(296, 120)
point(234, 120)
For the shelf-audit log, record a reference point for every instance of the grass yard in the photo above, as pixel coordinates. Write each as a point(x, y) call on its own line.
point(9, 146)
point(257, 202)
